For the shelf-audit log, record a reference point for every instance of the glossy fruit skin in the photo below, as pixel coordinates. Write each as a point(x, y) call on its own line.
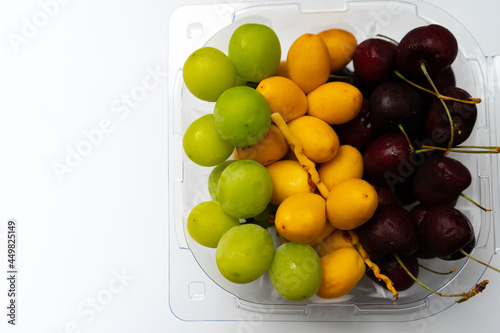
point(284, 96)
point(245, 188)
point(213, 178)
point(445, 230)
point(244, 253)
point(388, 161)
point(417, 213)
point(268, 150)
point(359, 131)
point(327, 231)
point(341, 45)
point(203, 145)
point(288, 178)
point(386, 196)
point(432, 44)
point(437, 124)
point(319, 141)
point(207, 223)
point(338, 239)
point(301, 217)
point(395, 103)
point(242, 116)
point(390, 266)
point(390, 230)
point(342, 270)
point(444, 173)
point(351, 203)
point(296, 271)
point(347, 164)
point(335, 102)
point(255, 52)
point(306, 73)
point(207, 73)
point(375, 60)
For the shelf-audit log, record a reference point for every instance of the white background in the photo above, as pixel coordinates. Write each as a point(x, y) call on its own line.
point(106, 216)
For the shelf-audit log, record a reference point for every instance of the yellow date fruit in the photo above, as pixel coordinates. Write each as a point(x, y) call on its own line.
point(308, 62)
point(335, 102)
point(342, 270)
point(301, 218)
point(341, 45)
point(351, 203)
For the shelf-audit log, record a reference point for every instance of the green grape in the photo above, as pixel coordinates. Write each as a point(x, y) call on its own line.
point(255, 51)
point(242, 116)
point(296, 272)
point(203, 145)
point(213, 178)
point(207, 222)
point(207, 73)
point(244, 253)
point(245, 189)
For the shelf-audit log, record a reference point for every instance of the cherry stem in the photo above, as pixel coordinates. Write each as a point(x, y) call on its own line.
point(336, 76)
point(388, 38)
point(466, 149)
point(418, 151)
point(407, 138)
point(436, 272)
point(411, 275)
point(471, 100)
point(476, 290)
point(465, 296)
point(474, 202)
point(452, 130)
point(479, 261)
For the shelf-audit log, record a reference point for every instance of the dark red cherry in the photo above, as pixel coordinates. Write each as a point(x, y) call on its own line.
point(390, 230)
point(395, 103)
point(388, 161)
point(445, 230)
point(463, 115)
point(390, 267)
point(440, 180)
point(358, 132)
point(417, 212)
point(433, 45)
point(374, 60)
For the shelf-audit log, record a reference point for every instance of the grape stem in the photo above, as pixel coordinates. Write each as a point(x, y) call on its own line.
point(465, 296)
point(296, 147)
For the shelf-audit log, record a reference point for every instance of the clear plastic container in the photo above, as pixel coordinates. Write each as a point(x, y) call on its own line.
point(198, 292)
